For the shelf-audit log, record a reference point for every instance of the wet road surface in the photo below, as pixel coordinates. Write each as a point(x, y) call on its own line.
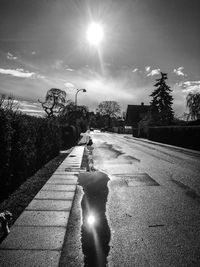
point(153, 206)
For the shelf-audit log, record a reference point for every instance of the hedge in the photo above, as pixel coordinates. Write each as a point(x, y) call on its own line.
point(26, 144)
point(183, 136)
point(70, 135)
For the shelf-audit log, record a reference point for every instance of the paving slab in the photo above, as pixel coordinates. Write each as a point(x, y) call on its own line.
point(30, 237)
point(54, 195)
point(43, 204)
point(22, 258)
point(71, 169)
point(43, 218)
point(54, 180)
point(77, 161)
point(59, 187)
point(66, 177)
point(74, 160)
point(67, 173)
point(73, 165)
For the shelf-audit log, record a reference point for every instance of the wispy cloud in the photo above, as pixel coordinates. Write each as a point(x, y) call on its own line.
point(147, 68)
point(69, 85)
point(17, 73)
point(69, 69)
point(10, 56)
point(31, 108)
point(21, 73)
point(179, 71)
point(39, 76)
point(190, 86)
point(135, 70)
point(154, 72)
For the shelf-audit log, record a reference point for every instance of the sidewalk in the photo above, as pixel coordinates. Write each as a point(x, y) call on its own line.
point(37, 236)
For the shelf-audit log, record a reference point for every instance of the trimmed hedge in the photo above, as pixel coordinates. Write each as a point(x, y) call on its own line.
point(26, 144)
point(70, 135)
point(183, 136)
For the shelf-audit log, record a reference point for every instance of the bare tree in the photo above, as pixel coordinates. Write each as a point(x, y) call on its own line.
point(8, 103)
point(193, 103)
point(55, 102)
point(110, 109)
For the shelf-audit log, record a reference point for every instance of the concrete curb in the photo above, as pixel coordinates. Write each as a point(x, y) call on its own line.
point(37, 236)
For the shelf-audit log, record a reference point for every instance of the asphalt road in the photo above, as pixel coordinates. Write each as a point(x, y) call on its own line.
point(153, 204)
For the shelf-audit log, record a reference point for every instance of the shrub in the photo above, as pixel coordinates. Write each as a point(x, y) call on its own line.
point(26, 144)
point(23, 149)
point(5, 147)
point(70, 135)
point(183, 136)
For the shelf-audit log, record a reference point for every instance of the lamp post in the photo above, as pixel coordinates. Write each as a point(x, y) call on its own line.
point(78, 90)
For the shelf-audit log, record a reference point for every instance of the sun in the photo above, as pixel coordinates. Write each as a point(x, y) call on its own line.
point(95, 33)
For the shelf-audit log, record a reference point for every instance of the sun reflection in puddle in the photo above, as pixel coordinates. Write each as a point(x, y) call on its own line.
point(91, 220)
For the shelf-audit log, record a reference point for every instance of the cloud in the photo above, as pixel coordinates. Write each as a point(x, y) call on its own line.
point(69, 85)
point(10, 56)
point(150, 72)
point(154, 72)
point(31, 108)
point(58, 64)
point(179, 71)
point(21, 73)
point(190, 86)
point(69, 69)
point(17, 73)
point(39, 76)
point(135, 70)
point(147, 68)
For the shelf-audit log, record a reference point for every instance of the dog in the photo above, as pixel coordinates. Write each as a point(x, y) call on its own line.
point(5, 220)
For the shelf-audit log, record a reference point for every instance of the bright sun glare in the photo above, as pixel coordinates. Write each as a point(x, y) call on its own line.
point(95, 33)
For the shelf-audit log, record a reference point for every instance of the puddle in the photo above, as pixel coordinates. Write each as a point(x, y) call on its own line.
point(95, 231)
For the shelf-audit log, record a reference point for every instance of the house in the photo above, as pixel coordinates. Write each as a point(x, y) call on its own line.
point(136, 113)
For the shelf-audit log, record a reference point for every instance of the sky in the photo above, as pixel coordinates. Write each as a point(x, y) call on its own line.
point(43, 45)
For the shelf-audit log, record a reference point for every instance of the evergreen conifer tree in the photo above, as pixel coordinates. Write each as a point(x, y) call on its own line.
point(161, 104)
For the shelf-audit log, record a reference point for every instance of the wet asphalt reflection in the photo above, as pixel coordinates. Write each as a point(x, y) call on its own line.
point(95, 231)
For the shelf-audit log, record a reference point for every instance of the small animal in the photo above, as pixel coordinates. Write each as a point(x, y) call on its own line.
point(5, 219)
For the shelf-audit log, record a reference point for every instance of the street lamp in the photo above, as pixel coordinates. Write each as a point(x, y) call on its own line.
point(78, 90)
